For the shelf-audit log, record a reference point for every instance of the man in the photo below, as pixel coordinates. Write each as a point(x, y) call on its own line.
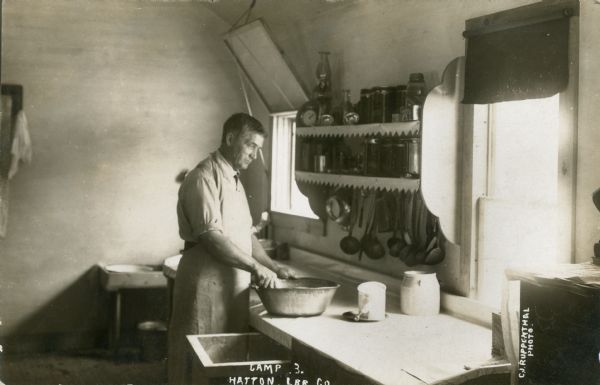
point(211, 290)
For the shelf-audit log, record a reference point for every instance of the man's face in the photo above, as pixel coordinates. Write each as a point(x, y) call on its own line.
point(245, 147)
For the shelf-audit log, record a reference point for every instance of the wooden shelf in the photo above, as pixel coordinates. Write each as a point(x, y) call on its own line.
point(358, 181)
point(384, 129)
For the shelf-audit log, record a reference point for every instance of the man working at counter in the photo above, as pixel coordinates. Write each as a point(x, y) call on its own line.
point(211, 290)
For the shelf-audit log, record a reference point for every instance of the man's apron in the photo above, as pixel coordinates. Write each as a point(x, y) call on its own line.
point(209, 296)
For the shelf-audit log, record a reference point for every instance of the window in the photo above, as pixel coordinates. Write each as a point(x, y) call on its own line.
point(285, 196)
point(518, 217)
point(521, 78)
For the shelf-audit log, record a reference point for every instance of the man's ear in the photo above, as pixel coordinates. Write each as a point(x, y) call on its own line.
point(229, 138)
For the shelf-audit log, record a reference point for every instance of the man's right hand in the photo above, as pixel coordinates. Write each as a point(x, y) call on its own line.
point(264, 277)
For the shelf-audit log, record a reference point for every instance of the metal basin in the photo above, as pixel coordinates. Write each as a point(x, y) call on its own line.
point(131, 276)
point(300, 297)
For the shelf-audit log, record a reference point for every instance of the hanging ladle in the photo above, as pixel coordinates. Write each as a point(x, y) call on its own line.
point(350, 244)
point(435, 255)
point(395, 243)
point(369, 211)
point(370, 243)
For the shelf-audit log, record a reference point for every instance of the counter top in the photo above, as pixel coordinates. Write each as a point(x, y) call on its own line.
point(399, 350)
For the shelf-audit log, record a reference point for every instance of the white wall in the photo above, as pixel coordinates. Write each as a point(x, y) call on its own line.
point(120, 96)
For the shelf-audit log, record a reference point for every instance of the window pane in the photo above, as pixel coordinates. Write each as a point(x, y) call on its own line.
point(525, 150)
point(285, 196)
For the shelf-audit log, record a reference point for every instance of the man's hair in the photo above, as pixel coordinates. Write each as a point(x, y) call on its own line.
point(236, 122)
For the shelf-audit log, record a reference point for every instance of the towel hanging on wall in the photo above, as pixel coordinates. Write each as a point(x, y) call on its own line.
point(21, 150)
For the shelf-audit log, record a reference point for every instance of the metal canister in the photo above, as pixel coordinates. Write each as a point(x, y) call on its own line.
point(414, 157)
point(372, 158)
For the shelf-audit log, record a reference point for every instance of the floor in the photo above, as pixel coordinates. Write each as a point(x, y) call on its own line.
point(80, 368)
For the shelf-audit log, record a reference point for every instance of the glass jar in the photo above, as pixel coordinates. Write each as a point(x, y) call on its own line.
point(372, 157)
point(398, 103)
point(304, 155)
point(399, 157)
point(387, 153)
point(348, 115)
point(413, 157)
point(415, 95)
point(380, 101)
point(364, 106)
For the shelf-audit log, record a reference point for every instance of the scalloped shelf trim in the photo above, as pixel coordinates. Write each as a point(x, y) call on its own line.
point(357, 181)
point(384, 129)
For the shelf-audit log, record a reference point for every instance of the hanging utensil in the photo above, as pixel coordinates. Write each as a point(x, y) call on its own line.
point(436, 255)
point(350, 244)
point(395, 243)
point(406, 220)
point(421, 230)
point(410, 258)
point(368, 217)
point(338, 208)
point(371, 244)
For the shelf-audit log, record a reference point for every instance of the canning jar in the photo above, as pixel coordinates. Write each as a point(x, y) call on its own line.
point(414, 157)
point(379, 103)
point(398, 104)
point(372, 157)
point(399, 157)
point(364, 106)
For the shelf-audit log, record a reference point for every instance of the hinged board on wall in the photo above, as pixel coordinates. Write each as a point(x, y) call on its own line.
point(265, 67)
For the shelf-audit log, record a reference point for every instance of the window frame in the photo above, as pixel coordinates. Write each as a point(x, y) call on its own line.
point(283, 193)
point(476, 160)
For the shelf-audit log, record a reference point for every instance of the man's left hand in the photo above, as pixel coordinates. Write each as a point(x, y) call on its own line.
point(284, 272)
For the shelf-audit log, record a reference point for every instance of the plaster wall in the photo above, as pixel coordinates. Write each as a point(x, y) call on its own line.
point(120, 96)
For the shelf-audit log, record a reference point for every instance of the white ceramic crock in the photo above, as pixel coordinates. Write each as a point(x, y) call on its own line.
point(420, 293)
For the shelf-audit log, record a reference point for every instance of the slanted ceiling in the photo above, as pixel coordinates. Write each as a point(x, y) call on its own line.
point(277, 13)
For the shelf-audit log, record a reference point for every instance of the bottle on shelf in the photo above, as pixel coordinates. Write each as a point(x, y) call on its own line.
point(398, 104)
point(349, 116)
point(372, 156)
point(322, 91)
point(364, 106)
point(413, 151)
point(415, 95)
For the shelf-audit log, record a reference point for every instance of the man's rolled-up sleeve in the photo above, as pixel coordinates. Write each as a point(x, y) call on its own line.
point(202, 206)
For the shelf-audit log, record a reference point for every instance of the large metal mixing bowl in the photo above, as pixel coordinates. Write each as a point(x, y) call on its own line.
point(300, 297)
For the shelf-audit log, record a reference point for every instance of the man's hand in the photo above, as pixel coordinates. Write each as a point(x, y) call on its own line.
point(285, 273)
point(264, 277)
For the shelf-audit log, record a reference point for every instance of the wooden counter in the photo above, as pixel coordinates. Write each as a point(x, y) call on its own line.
point(402, 349)
point(399, 350)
